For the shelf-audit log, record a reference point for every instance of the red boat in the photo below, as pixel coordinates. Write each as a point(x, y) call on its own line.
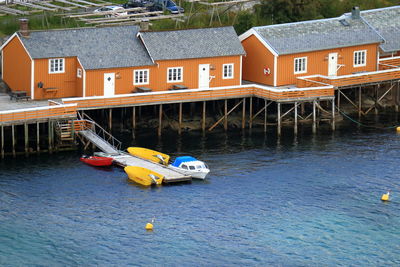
point(97, 161)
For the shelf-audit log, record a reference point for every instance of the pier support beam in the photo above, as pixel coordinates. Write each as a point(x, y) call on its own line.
point(279, 119)
point(2, 141)
point(333, 114)
point(160, 120)
point(26, 134)
point(203, 120)
point(265, 114)
point(251, 113)
point(13, 140)
point(295, 117)
point(244, 113)
point(359, 102)
point(314, 124)
point(180, 119)
point(110, 120)
point(37, 137)
point(133, 121)
point(50, 135)
point(226, 115)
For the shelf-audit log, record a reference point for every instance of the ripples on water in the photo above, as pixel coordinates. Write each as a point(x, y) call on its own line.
point(310, 200)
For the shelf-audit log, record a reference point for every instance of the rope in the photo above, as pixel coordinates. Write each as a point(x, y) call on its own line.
point(361, 124)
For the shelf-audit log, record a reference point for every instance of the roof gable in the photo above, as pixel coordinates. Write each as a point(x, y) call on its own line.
point(317, 35)
point(96, 48)
point(193, 43)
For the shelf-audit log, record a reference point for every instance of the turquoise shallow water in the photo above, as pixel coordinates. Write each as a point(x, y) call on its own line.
point(305, 201)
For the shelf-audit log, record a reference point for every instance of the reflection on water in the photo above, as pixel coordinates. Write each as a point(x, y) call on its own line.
point(292, 201)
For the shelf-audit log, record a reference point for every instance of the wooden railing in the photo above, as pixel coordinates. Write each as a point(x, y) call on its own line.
point(389, 63)
point(200, 95)
point(55, 111)
point(348, 80)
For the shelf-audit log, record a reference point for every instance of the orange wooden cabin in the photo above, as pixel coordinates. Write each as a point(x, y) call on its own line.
point(277, 55)
point(119, 60)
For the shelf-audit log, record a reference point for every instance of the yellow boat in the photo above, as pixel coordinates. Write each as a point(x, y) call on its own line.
point(149, 154)
point(143, 176)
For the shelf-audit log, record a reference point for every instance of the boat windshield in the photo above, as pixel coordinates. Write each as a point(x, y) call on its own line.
point(191, 167)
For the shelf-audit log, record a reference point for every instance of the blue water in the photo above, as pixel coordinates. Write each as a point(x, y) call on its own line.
point(311, 200)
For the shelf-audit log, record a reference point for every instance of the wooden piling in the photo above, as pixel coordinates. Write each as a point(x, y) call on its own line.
point(26, 134)
point(50, 136)
point(2, 141)
point(244, 113)
point(359, 101)
point(180, 119)
point(37, 137)
point(333, 114)
point(314, 125)
point(160, 120)
point(110, 120)
point(279, 119)
point(13, 140)
point(295, 118)
point(133, 121)
point(203, 120)
point(265, 115)
point(225, 115)
point(251, 113)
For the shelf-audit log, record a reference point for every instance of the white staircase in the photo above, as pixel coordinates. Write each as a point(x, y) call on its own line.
point(99, 142)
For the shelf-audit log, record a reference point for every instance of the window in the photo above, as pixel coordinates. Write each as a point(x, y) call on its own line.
point(191, 167)
point(227, 71)
point(141, 77)
point(300, 65)
point(360, 58)
point(79, 73)
point(184, 167)
point(56, 65)
point(175, 74)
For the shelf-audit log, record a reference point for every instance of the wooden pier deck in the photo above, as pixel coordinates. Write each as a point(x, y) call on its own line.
point(170, 176)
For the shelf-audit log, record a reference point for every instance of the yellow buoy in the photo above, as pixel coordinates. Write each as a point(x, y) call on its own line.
point(398, 129)
point(149, 226)
point(385, 197)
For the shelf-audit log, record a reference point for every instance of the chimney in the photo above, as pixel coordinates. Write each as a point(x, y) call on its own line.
point(355, 12)
point(23, 27)
point(144, 25)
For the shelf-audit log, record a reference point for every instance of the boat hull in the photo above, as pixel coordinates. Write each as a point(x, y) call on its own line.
point(149, 154)
point(194, 174)
point(143, 176)
point(97, 161)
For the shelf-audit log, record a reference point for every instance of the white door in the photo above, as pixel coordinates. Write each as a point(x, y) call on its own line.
point(109, 84)
point(204, 75)
point(332, 64)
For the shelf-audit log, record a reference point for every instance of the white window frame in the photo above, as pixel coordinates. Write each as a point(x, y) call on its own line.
point(79, 72)
point(60, 63)
point(175, 80)
point(137, 72)
point(225, 75)
point(357, 56)
point(295, 64)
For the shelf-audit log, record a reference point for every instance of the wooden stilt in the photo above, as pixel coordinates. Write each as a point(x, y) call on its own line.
point(203, 120)
point(359, 102)
point(180, 119)
point(26, 139)
point(295, 118)
point(376, 98)
point(302, 109)
point(37, 137)
point(2, 141)
point(333, 114)
point(314, 125)
point(133, 121)
point(13, 140)
point(338, 99)
point(251, 113)
point(50, 136)
point(279, 119)
point(110, 120)
point(160, 120)
point(265, 115)
point(244, 114)
point(225, 115)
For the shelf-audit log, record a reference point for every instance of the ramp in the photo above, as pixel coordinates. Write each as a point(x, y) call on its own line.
point(99, 142)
